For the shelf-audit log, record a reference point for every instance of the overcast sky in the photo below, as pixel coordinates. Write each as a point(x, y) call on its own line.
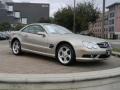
point(57, 4)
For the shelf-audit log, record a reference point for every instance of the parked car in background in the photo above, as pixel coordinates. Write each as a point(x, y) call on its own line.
point(57, 41)
point(4, 35)
point(85, 32)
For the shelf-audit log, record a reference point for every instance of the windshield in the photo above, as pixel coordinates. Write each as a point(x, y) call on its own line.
point(56, 29)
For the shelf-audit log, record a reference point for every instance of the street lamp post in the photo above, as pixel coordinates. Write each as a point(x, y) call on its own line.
point(74, 17)
point(103, 18)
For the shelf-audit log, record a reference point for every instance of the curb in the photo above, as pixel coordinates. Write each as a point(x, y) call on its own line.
point(58, 78)
point(116, 54)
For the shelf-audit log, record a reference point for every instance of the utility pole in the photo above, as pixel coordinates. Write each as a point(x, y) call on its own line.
point(74, 16)
point(103, 19)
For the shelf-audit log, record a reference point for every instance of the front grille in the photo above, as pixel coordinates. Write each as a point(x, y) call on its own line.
point(103, 45)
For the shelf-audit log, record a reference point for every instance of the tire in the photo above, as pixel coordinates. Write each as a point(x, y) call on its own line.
point(16, 47)
point(65, 54)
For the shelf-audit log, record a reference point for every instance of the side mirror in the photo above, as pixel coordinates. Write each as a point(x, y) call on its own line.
point(42, 33)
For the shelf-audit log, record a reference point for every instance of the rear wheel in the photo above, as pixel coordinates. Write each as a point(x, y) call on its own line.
point(65, 54)
point(16, 47)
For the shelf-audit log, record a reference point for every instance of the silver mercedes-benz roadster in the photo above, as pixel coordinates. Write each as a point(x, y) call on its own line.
point(57, 41)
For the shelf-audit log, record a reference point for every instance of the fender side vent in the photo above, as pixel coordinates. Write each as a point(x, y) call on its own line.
point(51, 46)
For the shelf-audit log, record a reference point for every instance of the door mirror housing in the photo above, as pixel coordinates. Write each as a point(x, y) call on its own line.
point(42, 33)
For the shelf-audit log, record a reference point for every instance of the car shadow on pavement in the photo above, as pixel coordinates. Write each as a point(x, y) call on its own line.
point(38, 57)
point(53, 60)
point(90, 64)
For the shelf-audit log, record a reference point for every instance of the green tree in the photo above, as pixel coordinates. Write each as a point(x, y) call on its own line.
point(49, 20)
point(5, 26)
point(85, 13)
point(1, 28)
point(64, 17)
point(18, 27)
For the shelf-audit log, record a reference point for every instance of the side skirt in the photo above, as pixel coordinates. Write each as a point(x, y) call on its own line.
point(41, 53)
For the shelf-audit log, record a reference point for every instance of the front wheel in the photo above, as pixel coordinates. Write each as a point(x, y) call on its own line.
point(65, 54)
point(16, 47)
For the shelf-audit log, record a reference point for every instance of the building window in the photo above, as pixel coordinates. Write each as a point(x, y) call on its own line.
point(112, 14)
point(24, 20)
point(10, 14)
point(10, 8)
point(44, 5)
point(17, 14)
point(111, 21)
point(111, 29)
point(106, 29)
point(106, 22)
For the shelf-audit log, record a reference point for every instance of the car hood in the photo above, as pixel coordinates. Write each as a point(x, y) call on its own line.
point(78, 37)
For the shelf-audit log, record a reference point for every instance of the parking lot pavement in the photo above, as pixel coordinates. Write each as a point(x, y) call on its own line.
point(36, 64)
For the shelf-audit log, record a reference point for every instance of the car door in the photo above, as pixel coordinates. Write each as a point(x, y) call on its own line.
point(34, 41)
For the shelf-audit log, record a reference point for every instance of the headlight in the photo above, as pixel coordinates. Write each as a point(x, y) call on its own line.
point(90, 45)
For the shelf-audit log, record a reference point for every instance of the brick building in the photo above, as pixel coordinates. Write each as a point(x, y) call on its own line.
point(112, 23)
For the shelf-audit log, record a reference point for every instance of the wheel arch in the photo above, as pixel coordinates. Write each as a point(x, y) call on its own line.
point(13, 41)
point(64, 42)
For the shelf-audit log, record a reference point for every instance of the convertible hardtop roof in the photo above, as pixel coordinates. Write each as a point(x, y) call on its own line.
point(42, 24)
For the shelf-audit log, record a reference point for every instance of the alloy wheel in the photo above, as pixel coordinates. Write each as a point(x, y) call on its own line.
point(64, 55)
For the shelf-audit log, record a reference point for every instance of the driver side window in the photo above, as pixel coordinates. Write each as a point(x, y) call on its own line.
point(34, 29)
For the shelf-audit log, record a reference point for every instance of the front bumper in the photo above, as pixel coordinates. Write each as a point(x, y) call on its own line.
point(93, 55)
point(91, 59)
